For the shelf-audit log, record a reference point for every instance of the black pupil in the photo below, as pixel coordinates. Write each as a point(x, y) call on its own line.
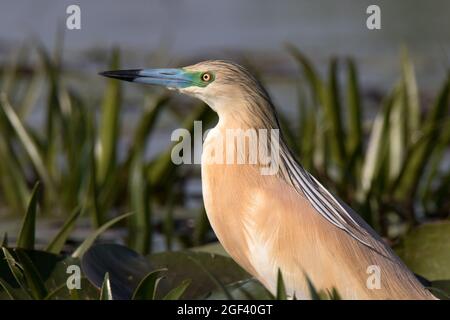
point(206, 77)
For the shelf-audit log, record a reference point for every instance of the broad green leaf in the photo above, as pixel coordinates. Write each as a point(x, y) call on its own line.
point(426, 250)
point(208, 272)
point(216, 280)
point(214, 248)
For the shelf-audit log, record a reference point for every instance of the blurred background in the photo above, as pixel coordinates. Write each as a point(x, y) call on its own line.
point(366, 111)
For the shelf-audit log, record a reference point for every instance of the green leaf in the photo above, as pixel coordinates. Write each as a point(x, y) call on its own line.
point(396, 136)
point(355, 136)
point(214, 248)
point(176, 293)
point(440, 289)
point(333, 117)
point(207, 271)
point(55, 246)
point(8, 290)
point(355, 133)
point(31, 275)
point(15, 269)
point(91, 238)
point(12, 176)
point(281, 288)
point(140, 223)
point(5, 240)
point(146, 289)
point(422, 149)
point(412, 101)
point(109, 123)
point(52, 269)
point(27, 141)
point(426, 250)
point(377, 147)
point(315, 295)
point(316, 85)
point(216, 280)
point(105, 291)
point(26, 235)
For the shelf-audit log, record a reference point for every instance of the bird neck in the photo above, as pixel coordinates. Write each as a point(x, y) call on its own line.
point(250, 129)
point(247, 113)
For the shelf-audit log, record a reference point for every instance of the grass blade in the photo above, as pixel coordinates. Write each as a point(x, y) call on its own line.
point(412, 102)
point(281, 288)
point(355, 132)
point(27, 142)
point(422, 150)
point(146, 290)
point(16, 270)
point(105, 291)
point(8, 290)
point(31, 275)
point(315, 295)
point(91, 238)
point(27, 232)
point(109, 123)
point(376, 149)
point(177, 292)
point(333, 117)
point(5, 240)
point(55, 246)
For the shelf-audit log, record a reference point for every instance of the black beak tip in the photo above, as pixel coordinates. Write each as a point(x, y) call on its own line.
point(127, 75)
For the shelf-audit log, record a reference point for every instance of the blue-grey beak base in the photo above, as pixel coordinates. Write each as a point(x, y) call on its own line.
point(171, 78)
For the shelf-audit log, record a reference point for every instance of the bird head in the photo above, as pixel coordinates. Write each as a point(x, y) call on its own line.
point(225, 86)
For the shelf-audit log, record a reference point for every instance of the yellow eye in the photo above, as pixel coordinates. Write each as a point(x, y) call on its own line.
point(206, 77)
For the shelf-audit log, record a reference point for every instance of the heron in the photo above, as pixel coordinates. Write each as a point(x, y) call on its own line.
point(286, 222)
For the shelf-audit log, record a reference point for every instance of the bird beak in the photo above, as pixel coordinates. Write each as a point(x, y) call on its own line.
point(171, 78)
